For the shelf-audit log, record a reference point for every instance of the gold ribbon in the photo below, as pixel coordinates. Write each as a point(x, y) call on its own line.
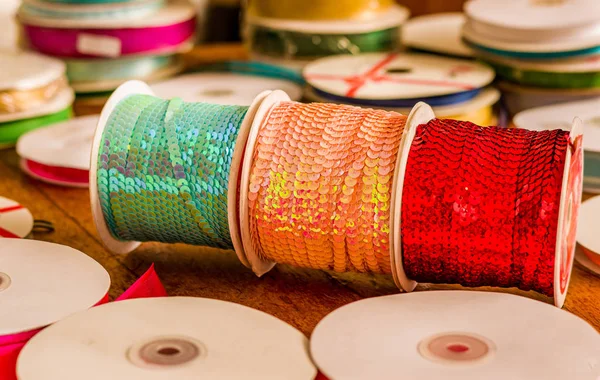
point(315, 10)
point(22, 100)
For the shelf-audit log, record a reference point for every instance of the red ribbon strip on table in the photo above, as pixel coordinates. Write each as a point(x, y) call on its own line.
point(5, 233)
point(147, 286)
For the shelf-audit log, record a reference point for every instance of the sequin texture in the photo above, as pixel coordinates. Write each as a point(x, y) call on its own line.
point(164, 170)
point(320, 186)
point(480, 205)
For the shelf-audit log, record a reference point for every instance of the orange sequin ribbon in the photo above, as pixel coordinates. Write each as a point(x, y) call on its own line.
point(320, 186)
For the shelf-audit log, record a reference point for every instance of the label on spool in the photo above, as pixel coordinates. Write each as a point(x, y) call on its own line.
point(101, 46)
point(167, 338)
point(469, 335)
point(15, 220)
point(396, 76)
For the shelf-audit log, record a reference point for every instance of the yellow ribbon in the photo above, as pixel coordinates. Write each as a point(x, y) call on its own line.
point(314, 10)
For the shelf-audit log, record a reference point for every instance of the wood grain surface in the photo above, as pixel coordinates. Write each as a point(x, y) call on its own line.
point(300, 297)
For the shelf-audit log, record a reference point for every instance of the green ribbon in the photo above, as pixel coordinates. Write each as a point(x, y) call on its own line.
point(11, 131)
point(286, 44)
point(547, 79)
point(163, 170)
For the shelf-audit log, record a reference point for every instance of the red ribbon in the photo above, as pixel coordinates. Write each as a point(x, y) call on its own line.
point(148, 285)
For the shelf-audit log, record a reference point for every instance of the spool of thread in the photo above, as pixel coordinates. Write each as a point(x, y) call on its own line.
point(15, 100)
point(56, 175)
point(319, 9)
point(11, 131)
point(290, 44)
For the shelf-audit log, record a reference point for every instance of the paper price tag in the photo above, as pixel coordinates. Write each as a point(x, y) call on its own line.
point(102, 46)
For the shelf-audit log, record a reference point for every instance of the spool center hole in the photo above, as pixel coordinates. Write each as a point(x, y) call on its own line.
point(399, 70)
point(458, 348)
point(169, 351)
point(4, 281)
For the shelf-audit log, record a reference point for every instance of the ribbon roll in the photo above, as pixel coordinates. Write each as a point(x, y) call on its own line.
point(136, 9)
point(86, 43)
point(319, 9)
point(93, 70)
point(297, 45)
point(11, 131)
point(321, 184)
point(174, 159)
point(547, 79)
point(24, 100)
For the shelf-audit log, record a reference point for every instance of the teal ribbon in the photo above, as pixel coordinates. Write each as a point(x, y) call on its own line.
point(143, 9)
point(93, 70)
point(257, 69)
point(163, 170)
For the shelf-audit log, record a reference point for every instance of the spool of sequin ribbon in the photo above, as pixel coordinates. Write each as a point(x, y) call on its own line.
point(319, 9)
point(170, 29)
point(166, 170)
point(487, 206)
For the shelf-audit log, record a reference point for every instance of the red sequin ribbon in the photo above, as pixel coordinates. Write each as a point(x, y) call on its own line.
point(148, 285)
point(480, 205)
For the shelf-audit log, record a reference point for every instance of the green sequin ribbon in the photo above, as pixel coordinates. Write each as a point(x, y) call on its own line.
point(547, 79)
point(286, 44)
point(163, 170)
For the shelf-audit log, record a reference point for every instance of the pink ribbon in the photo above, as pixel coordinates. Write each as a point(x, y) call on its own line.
point(66, 42)
point(148, 285)
point(57, 173)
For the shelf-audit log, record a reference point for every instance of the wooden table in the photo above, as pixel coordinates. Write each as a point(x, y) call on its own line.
point(300, 297)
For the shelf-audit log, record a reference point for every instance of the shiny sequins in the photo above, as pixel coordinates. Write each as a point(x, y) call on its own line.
point(480, 205)
point(164, 170)
point(320, 186)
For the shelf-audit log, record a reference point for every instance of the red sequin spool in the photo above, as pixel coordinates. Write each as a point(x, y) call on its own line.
point(488, 207)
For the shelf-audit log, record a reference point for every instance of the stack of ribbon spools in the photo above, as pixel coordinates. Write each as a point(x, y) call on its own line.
point(545, 52)
point(105, 43)
point(455, 88)
point(33, 93)
point(340, 187)
point(292, 33)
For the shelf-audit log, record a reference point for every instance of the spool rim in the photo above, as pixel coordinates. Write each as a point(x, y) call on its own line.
point(234, 177)
point(420, 114)
point(109, 241)
point(570, 202)
point(24, 223)
point(259, 265)
point(586, 263)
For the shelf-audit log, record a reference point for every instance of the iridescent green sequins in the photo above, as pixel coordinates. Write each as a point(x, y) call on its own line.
point(164, 170)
